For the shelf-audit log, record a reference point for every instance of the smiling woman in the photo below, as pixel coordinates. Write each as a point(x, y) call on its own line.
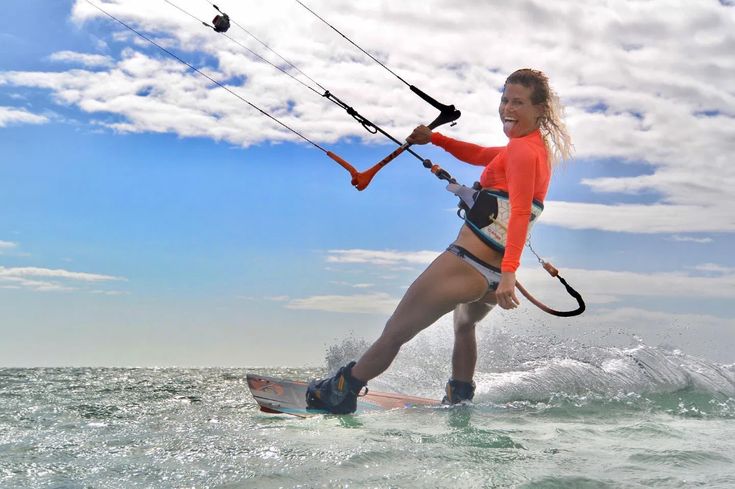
point(477, 271)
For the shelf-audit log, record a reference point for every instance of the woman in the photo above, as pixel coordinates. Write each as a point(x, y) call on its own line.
point(475, 273)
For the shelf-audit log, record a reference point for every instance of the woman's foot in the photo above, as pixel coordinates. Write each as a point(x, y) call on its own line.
point(458, 391)
point(337, 394)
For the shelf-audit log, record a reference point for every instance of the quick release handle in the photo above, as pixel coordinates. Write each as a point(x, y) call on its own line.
point(448, 113)
point(439, 106)
point(445, 117)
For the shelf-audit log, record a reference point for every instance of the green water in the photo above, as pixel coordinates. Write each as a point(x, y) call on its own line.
point(199, 428)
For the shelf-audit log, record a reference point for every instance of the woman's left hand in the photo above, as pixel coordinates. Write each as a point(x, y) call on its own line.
point(505, 294)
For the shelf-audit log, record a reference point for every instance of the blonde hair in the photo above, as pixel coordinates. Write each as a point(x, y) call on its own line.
point(553, 129)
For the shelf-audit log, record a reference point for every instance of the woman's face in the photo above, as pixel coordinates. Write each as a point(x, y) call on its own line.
point(518, 115)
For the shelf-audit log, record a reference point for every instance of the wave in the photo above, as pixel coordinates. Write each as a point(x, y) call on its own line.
point(514, 369)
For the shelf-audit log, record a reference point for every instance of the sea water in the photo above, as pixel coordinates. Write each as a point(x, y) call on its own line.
point(547, 414)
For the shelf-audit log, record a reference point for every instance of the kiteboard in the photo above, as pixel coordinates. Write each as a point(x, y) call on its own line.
point(285, 396)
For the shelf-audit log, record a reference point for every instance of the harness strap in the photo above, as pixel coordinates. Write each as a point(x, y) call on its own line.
point(564, 314)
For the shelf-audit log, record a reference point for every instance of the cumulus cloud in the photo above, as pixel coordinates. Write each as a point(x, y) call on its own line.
point(46, 279)
point(378, 303)
point(7, 245)
point(54, 273)
point(85, 59)
point(644, 82)
point(713, 268)
point(640, 218)
point(12, 115)
point(352, 285)
point(387, 258)
point(599, 287)
point(690, 239)
point(277, 298)
point(609, 286)
point(108, 292)
point(625, 316)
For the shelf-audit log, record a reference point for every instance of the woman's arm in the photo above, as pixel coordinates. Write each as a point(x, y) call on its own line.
point(467, 152)
point(520, 172)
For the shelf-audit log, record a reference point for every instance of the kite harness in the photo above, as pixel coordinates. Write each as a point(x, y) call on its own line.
point(486, 212)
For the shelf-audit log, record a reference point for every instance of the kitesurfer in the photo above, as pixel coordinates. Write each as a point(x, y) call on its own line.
point(477, 271)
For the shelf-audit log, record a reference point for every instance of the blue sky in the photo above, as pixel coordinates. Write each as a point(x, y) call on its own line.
point(151, 219)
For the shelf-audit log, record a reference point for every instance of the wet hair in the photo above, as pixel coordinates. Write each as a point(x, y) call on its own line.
point(553, 129)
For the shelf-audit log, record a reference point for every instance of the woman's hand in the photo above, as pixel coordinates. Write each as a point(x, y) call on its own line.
point(420, 135)
point(505, 294)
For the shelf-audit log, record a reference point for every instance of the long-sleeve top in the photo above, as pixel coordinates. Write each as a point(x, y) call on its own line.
point(521, 169)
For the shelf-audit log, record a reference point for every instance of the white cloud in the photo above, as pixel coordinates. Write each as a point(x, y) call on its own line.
point(389, 258)
point(624, 317)
point(343, 283)
point(84, 59)
point(108, 292)
point(54, 273)
point(713, 268)
point(606, 286)
point(57, 279)
point(277, 298)
point(7, 245)
point(690, 239)
point(12, 115)
point(640, 218)
point(11, 282)
point(378, 303)
point(643, 81)
point(598, 287)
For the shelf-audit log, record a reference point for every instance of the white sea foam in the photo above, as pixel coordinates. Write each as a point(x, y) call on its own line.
point(535, 368)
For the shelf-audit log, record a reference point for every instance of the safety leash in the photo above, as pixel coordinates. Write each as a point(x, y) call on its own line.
point(554, 273)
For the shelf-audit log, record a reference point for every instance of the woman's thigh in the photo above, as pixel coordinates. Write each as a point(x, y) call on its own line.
point(447, 282)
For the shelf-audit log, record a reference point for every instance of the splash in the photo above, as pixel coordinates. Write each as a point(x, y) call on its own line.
point(541, 369)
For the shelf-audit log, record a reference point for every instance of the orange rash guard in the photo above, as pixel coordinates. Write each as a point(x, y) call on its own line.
point(521, 169)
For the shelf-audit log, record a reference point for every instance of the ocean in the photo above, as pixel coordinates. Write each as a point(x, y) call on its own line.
point(548, 413)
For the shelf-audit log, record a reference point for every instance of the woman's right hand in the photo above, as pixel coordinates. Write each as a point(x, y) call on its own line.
point(420, 135)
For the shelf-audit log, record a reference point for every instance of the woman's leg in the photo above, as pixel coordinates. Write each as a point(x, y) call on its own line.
point(466, 317)
point(447, 282)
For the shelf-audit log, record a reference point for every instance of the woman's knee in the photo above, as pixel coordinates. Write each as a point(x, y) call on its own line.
point(466, 316)
point(464, 326)
point(396, 335)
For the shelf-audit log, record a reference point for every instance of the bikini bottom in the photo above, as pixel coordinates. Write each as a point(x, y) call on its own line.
point(491, 273)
